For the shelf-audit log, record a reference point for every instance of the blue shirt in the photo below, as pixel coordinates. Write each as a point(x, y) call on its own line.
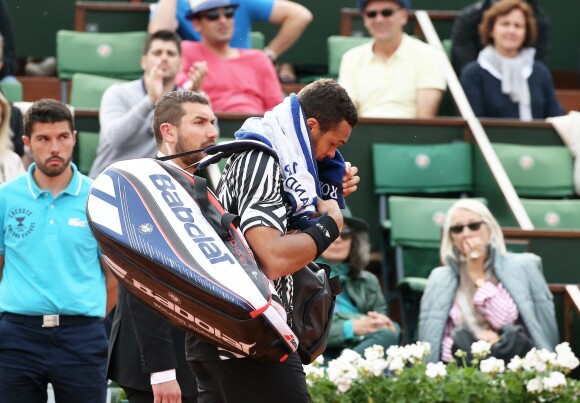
point(51, 259)
point(487, 100)
point(247, 11)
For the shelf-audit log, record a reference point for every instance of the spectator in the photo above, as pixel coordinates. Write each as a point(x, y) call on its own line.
point(360, 318)
point(146, 353)
point(252, 187)
point(10, 162)
point(394, 75)
point(484, 292)
point(127, 109)
point(505, 81)
point(8, 57)
point(292, 17)
point(54, 291)
point(465, 33)
point(235, 80)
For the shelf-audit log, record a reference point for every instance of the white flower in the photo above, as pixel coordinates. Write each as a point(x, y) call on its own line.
point(313, 374)
point(534, 385)
point(319, 361)
point(369, 368)
point(533, 361)
point(492, 366)
point(516, 363)
point(375, 352)
point(350, 356)
point(480, 349)
point(438, 370)
point(554, 381)
point(565, 358)
point(342, 372)
point(397, 365)
point(394, 351)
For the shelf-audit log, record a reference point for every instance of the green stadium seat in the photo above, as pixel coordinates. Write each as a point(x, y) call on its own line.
point(538, 171)
point(337, 46)
point(258, 40)
point(116, 55)
point(87, 90)
point(87, 143)
point(12, 91)
point(553, 214)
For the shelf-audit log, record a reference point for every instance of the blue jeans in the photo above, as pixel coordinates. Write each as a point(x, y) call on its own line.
point(72, 358)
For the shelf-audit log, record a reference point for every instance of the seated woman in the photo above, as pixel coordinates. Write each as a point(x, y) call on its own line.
point(484, 292)
point(505, 81)
point(360, 316)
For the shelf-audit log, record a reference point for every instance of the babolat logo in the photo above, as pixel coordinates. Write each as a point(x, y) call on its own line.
point(206, 244)
point(203, 327)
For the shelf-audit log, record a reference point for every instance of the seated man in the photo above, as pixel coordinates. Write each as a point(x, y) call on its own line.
point(394, 75)
point(292, 17)
point(127, 109)
point(235, 80)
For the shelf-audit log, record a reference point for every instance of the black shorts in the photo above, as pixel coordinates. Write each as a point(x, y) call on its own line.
point(247, 380)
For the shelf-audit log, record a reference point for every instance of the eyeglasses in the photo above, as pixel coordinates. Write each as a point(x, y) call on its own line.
point(214, 15)
point(346, 234)
point(473, 226)
point(385, 12)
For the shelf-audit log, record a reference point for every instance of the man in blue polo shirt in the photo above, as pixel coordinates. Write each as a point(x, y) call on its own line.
point(53, 291)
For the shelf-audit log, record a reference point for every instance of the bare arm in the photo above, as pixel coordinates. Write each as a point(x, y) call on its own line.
point(164, 17)
point(282, 254)
point(112, 284)
point(293, 19)
point(428, 100)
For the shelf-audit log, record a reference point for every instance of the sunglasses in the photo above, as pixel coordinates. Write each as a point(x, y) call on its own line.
point(214, 15)
point(473, 226)
point(346, 234)
point(385, 12)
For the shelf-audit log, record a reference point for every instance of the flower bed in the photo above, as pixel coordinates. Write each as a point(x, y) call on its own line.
point(403, 376)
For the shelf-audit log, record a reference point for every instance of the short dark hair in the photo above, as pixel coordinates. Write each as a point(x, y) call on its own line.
point(162, 35)
point(327, 102)
point(169, 109)
point(504, 7)
point(47, 111)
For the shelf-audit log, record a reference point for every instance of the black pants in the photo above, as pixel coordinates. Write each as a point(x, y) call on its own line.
point(142, 396)
point(247, 380)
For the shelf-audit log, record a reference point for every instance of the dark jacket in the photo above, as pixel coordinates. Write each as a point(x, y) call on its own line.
point(465, 34)
point(142, 342)
point(487, 100)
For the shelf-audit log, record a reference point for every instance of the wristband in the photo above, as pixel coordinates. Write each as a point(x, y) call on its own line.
point(324, 232)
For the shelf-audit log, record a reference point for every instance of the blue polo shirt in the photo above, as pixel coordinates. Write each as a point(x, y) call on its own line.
point(247, 11)
point(51, 259)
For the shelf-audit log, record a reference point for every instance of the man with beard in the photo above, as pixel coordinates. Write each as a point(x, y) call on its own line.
point(54, 289)
point(126, 109)
point(147, 354)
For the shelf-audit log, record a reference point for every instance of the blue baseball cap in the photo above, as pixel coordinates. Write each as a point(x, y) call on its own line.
point(403, 3)
point(197, 6)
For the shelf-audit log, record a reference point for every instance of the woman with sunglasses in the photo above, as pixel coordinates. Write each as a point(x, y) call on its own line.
point(360, 317)
point(484, 292)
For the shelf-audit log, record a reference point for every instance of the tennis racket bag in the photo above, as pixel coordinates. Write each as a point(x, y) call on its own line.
point(170, 243)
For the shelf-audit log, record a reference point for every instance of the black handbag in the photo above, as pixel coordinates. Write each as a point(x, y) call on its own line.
point(314, 299)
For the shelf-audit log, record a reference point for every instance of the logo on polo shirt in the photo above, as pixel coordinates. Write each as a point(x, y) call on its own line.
point(20, 223)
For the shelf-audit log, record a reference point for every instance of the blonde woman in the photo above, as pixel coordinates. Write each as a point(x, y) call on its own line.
point(484, 292)
point(10, 163)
